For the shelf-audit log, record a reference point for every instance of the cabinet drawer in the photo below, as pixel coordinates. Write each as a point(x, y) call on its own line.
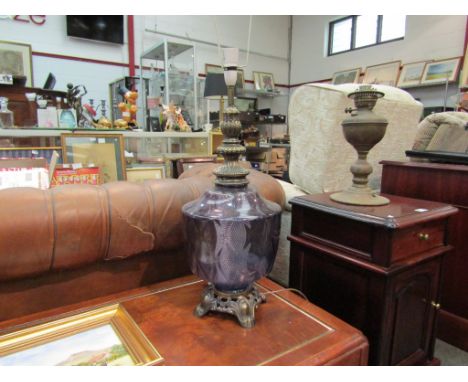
point(417, 239)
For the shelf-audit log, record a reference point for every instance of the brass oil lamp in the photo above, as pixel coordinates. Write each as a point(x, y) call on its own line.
point(363, 130)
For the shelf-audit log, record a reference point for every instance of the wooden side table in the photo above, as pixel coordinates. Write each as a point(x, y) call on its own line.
point(377, 268)
point(446, 183)
point(289, 330)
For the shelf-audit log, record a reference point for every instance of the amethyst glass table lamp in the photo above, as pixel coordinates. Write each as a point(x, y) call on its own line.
point(232, 232)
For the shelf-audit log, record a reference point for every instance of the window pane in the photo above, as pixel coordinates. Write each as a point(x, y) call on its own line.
point(366, 30)
point(393, 27)
point(341, 36)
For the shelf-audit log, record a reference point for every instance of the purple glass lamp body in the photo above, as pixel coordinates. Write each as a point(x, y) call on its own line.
point(232, 235)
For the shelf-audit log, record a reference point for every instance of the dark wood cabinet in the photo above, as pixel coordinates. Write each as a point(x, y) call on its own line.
point(447, 183)
point(24, 111)
point(377, 268)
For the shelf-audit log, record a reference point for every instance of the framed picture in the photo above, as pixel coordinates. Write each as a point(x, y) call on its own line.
point(264, 81)
point(211, 68)
point(184, 164)
point(102, 337)
point(350, 76)
point(245, 104)
point(437, 72)
point(383, 74)
point(464, 72)
point(142, 173)
point(16, 59)
point(411, 74)
point(103, 150)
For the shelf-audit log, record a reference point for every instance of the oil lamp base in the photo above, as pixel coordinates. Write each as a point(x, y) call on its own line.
point(359, 197)
point(242, 305)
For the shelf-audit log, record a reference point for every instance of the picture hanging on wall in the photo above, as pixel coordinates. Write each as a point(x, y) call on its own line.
point(16, 59)
point(464, 73)
point(437, 72)
point(383, 74)
point(350, 76)
point(211, 68)
point(411, 74)
point(264, 81)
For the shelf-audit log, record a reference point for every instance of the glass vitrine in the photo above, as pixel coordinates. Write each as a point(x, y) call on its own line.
point(172, 78)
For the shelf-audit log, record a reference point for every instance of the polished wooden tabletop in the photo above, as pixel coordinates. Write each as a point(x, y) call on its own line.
point(288, 330)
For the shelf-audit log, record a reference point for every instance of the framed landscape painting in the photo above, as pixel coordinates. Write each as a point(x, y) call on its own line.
point(350, 76)
point(411, 74)
point(383, 74)
point(437, 72)
point(105, 336)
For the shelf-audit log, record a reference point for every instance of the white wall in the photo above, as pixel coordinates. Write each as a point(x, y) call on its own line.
point(426, 38)
point(52, 38)
point(269, 36)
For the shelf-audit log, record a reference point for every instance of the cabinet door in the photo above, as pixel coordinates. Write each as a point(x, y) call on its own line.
point(414, 296)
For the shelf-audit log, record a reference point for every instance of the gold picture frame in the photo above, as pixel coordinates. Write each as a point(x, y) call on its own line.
point(350, 76)
point(240, 82)
point(140, 174)
point(103, 150)
point(20, 348)
point(264, 81)
point(384, 74)
point(16, 59)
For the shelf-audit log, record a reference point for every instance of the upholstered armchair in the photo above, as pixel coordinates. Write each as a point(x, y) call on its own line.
point(320, 156)
point(443, 132)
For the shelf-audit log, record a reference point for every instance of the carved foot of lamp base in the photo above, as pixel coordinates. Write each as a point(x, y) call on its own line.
point(242, 305)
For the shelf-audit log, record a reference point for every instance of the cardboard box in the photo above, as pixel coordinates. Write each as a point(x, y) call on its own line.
point(27, 172)
point(23, 163)
point(47, 117)
point(24, 177)
point(87, 175)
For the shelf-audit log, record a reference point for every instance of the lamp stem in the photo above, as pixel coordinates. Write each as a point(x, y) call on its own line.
point(230, 95)
point(221, 109)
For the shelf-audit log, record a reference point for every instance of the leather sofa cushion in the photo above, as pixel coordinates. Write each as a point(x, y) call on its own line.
point(70, 226)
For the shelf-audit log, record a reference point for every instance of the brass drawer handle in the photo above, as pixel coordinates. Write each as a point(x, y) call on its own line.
point(423, 236)
point(435, 305)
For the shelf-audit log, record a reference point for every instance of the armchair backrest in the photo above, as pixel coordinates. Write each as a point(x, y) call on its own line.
point(321, 157)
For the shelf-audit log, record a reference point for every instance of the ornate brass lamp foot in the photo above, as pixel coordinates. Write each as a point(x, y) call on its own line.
point(242, 305)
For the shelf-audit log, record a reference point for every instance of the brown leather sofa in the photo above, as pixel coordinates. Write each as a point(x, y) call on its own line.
point(73, 243)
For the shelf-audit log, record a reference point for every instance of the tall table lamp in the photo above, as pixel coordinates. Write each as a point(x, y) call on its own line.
point(232, 232)
point(216, 89)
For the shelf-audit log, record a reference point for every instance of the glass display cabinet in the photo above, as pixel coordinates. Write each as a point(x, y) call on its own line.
point(141, 147)
point(172, 79)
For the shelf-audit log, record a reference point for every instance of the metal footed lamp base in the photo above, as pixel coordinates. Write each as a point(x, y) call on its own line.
point(242, 305)
point(359, 197)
